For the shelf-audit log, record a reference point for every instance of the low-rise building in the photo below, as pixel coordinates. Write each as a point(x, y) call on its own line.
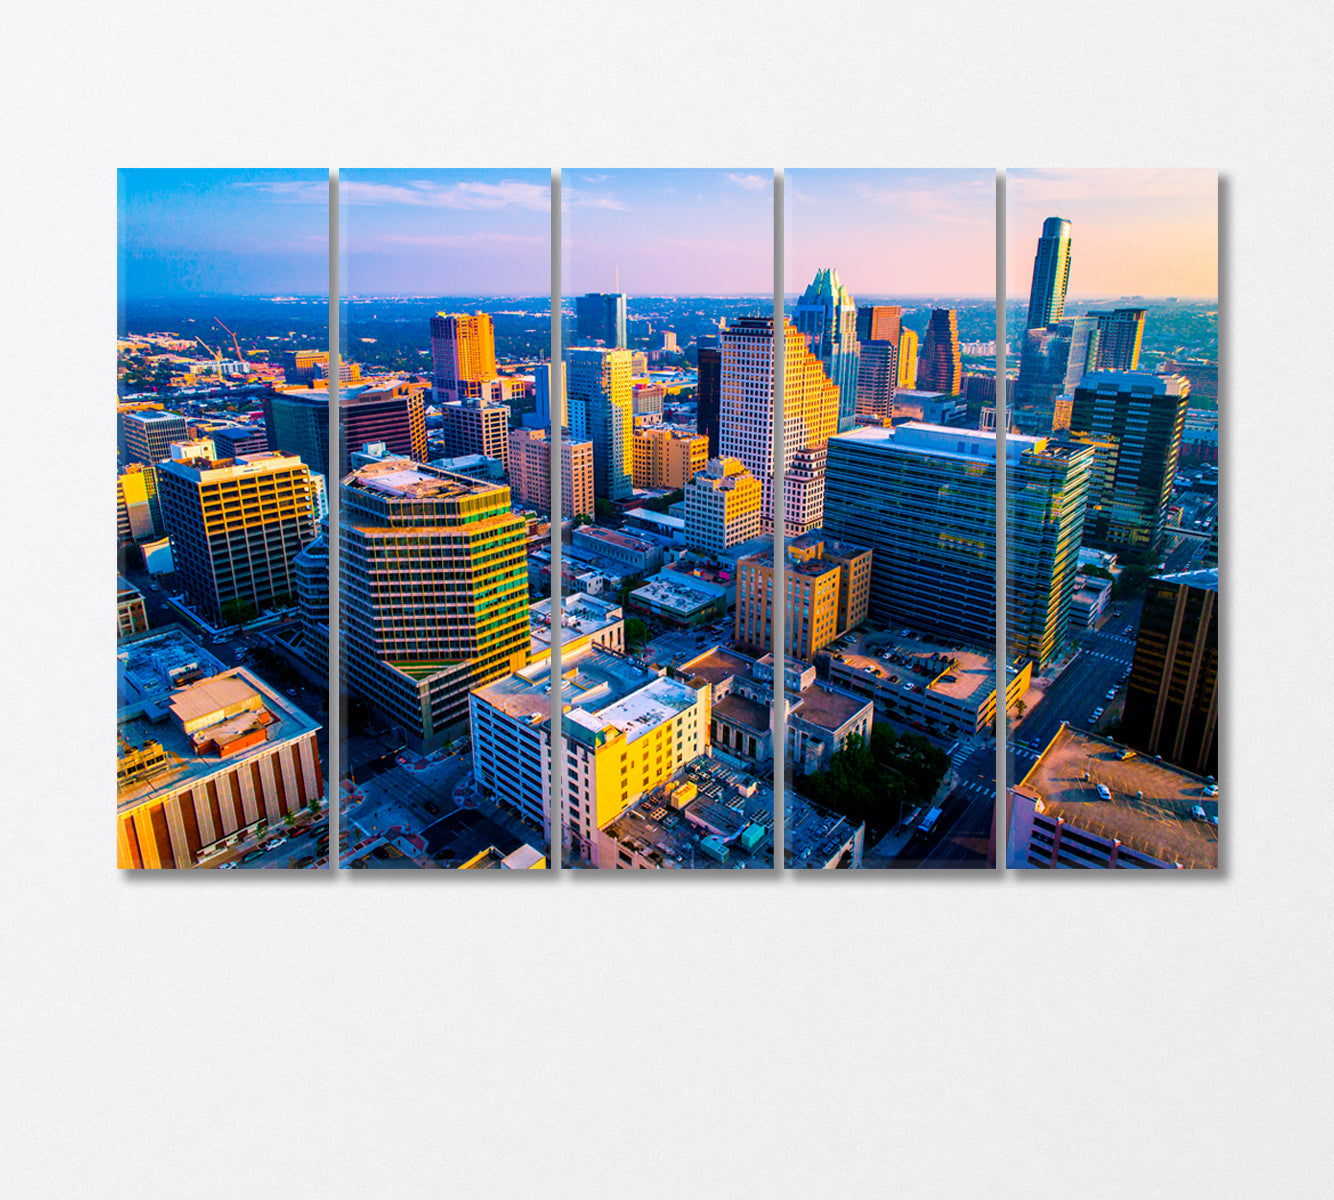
point(638, 555)
point(1089, 600)
point(817, 839)
point(584, 621)
point(1088, 802)
point(679, 601)
point(131, 616)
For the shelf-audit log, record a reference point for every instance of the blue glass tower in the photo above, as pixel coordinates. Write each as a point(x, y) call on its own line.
point(827, 315)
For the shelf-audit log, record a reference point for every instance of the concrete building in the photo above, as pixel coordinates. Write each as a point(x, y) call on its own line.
point(147, 433)
point(1088, 601)
point(131, 616)
point(723, 502)
point(530, 472)
point(627, 729)
point(433, 597)
point(1172, 696)
point(463, 355)
point(474, 466)
point(236, 526)
point(679, 601)
point(940, 365)
point(828, 589)
point(476, 426)
point(818, 839)
point(392, 413)
point(637, 555)
point(1120, 334)
point(232, 440)
point(598, 383)
point(203, 759)
point(138, 513)
point(1090, 803)
point(584, 621)
point(667, 458)
point(662, 528)
point(877, 378)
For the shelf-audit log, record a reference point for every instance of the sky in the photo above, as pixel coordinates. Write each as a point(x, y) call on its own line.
point(1133, 232)
point(446, 232)
point(699, 232)
point(186, 232)
point(894, 232)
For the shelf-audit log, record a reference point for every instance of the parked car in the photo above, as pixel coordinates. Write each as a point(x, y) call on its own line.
point(1197, 811)
point(1111, 693)
point(1104, 792)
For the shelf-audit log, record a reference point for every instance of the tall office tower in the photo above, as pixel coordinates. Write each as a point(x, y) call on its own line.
point(827, 315)
point(311, 567)
point(667, 458)
point(707, 390)
point(240, 439)
point(877, 379)
point(542, 396)
point(828, 588)
point(147, 434)
point(1120, 333)
point(1143, 416)
point(923, 498)
point(722, 506)
point(940, 366)
point(598, 381)
point(298, 423)
point(433, 594)
point(600, 317)
point(235, 528)
point(463, 355)
point(138, 515)
point(907, 358)
point(1080, 335)
point(476, 426)
point(530, 473)
point(1172, 696)
point(746, 408)
point(1051, 274)
point(878, 323)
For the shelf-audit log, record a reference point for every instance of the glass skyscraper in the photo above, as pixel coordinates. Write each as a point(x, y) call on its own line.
point(827, 316)
point(1051, 274)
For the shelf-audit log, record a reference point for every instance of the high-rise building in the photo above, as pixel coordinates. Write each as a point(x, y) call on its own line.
point(138, 514)
point(392, 413)
point(667, 458)
point(1051, 274)
point(1142, 417)
point(707, 391)
point(722, 506)
point(1120, 333)
point(542, 396)
point(598, 383)
point(433, 594)
point(878, 323)
point(810, 413)
point(877, 379)
point(940, 366)
point(827, 315)
point(600, 317)
point(302, 366)
point(476, 426)
point(235, 527)
point(530, 473)
point(907, 358)
point(828, 588)
point(923, 498)
point(147, 434)
point(240, 439)
point(463, 355)
point(1172, 696)
point(803, 489)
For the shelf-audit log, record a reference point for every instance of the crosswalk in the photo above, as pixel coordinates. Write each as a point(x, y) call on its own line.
point(981, 789)
point(1116, 658)
point(960, 751)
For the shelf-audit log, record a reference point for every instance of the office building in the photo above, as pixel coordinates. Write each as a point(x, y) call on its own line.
point(627, 728)
point(828, 589)
point(236, 526)
point(476, 426)
point(1172, 696)
point(667, 458)
point(584, 621)
point(232, 440)
point(131, 616)
point(826, 315)
point(877, 379)
point(1120, 333)
point(923, 498)
point(722, 506)
point(636, 555)
point(1138, 419)
point(598, 384)
point(1088, 804)
point(810, 416)
point(433, 594)
point(542, 396)
point(708, 390)
point(530, 473)
point(940, 365)
point(392, 413)
point(463, 355)
point(147, 434)
point(303, 366)
point(907, 358)
point(138, 514)
point(878, 323)
point(1051, 274)
point(600, 317)
point(647, 403)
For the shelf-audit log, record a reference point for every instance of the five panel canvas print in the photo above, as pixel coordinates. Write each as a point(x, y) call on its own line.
point(583, 609)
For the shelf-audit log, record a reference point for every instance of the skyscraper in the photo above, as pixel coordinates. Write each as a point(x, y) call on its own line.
point(1051, 274)
point(878, 323)
point(599, 389)
point(235, 528)
point(1141, 416)
point(543, 407)
point(827, 315)
point(1120, 333)
point(810, 413)
point(706, 393)
point(298, 423)
point(433, 594)
point(530, 473)
point(600, 317)
point(463, 354)
point(907, 358)
point(940, 366)
point(476, 426)
point(877, 379)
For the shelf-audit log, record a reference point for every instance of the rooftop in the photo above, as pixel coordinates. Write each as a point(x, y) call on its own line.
point(680, 593)
point(828, 709)
point(1159, 825)
point(580, 616)
point(151, 664)
point(812, 834)
point(962, 673)
point(409, 480)
point(1203, 580)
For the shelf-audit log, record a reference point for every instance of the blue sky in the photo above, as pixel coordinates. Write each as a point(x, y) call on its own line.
point(184, 232)
point(892, 231)
point(701, 232)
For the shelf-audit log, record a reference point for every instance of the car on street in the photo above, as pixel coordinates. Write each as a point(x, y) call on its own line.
point(1111, 693)
point(227, 866)
point(1211, 789)
point(1127, 631)
point(1197, 811)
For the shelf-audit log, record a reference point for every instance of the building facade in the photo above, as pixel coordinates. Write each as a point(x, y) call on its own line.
point(1051, 274)
point(600, 317)
point(667, 458)
point(826, 315)
point(476, 426)
point(463, 355)
point(601, 411)
point(940, 365)
point(722, 506)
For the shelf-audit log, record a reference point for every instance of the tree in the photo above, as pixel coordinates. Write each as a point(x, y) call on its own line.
point(582, 519)
point(636, 633)
point(237, 612)
point(605, 510)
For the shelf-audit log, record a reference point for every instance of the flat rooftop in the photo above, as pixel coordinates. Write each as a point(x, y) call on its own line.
point(679, 593)
point(1160, 825)
point(404, 478)
point(827, 709)
point(581, 616)
point(899, 658)
point(812, 833)
point(614, 538)
point(1204, 580)
point(941, 441)
point(149, 662)
point(717, 664)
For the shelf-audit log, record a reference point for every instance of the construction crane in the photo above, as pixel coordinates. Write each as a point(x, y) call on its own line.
point(217, 356)
point(239, 356)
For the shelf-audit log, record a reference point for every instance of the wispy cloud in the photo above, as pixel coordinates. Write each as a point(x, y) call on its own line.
point(448, 241)
point(579, 198)
point(417, 193)
point(752, 183)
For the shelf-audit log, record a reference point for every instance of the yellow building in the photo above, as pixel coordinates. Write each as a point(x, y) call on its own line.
point(907, 359)
point(463, 354)
point(722, 506)
point(667, 458)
